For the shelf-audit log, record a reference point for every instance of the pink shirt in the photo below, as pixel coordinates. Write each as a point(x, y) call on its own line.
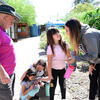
point(58, 60)
point(7, 55)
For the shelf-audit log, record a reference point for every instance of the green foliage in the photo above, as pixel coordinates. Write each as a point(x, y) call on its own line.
point(93, 18)
point(83, 8)
point(25, 9)
point(79, 16)
point(64, 36)
point(86, 13)
point(43, 40)
point(80, 11)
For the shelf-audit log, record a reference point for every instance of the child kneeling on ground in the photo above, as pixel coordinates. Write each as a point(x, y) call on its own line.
point(30, 85)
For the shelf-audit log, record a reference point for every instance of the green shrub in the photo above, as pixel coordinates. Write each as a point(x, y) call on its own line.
point(79, 12)
point(43, 40)
point(93, 18)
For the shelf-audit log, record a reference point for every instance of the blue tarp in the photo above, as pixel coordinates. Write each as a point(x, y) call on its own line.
point(55, 24)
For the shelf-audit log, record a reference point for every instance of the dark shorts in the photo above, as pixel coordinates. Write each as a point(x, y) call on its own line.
point(7, 90)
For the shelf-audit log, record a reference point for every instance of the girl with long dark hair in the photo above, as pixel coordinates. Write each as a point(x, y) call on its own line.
point(57, 52)
point(29, 86)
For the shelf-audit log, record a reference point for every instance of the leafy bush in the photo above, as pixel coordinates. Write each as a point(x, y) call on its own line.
point(79, 11)
point(83, 8)
point(43, 40)
point(93, 18)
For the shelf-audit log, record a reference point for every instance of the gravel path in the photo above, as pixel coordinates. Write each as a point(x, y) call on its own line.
point(78, 84)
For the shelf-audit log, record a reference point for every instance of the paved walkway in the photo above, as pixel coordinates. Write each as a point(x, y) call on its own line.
point(28, 51)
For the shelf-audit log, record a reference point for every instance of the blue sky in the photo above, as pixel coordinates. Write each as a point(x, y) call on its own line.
point(50, 10)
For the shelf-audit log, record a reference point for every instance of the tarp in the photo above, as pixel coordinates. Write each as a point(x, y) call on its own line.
point(55, 23)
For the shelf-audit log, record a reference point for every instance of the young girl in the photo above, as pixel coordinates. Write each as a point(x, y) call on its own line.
point(29, 86)
point(41, 72)
point(57, 52)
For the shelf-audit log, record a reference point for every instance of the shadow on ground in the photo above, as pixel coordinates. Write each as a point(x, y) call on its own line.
point(83, 68)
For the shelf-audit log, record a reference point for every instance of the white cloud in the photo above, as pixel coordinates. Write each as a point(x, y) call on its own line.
point(47, 10)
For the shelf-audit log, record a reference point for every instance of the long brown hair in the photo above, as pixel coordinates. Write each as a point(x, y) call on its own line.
point(50, 40)
point(75, 29)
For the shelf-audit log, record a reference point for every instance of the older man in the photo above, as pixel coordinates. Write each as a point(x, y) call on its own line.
point(7, 55)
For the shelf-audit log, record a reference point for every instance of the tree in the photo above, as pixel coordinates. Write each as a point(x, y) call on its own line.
point(79, 11)
point(93, 18)
point(83, 8)
point(25, 9)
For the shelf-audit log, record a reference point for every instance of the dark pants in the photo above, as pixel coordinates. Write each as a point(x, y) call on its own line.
point(7, 90)
point(94, 83)
point(53, 83)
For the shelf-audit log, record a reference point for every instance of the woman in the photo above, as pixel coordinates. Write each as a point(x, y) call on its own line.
point(88, 39)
